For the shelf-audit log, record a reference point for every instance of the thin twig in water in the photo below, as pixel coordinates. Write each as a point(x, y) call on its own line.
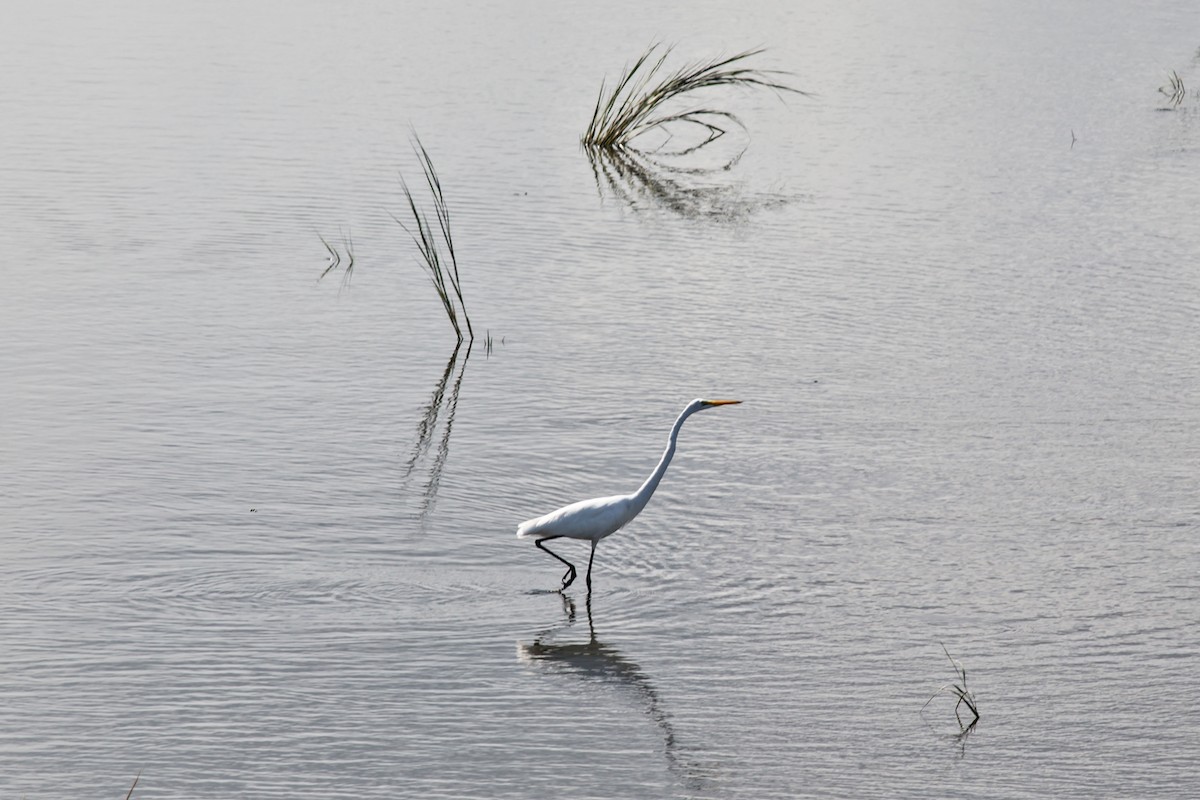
point(135, 783)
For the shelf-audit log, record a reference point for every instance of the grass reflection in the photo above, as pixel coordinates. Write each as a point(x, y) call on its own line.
point(437, 416)
point(696, 191)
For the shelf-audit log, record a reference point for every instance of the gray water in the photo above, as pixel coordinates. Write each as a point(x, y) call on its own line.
point(258, 529)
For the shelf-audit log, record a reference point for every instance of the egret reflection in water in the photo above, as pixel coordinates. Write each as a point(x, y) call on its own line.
point(595, 660)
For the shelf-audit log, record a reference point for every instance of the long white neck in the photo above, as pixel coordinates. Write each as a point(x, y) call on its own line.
point(642, 495)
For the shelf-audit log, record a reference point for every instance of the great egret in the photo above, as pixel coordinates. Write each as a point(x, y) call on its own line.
point(596, 518)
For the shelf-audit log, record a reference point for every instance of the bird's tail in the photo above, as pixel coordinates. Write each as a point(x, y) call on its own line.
point(529, 528)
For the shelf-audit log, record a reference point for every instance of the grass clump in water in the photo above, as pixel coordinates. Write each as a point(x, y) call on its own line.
point(641, 100)
point(960, 692)
point(1174, 90)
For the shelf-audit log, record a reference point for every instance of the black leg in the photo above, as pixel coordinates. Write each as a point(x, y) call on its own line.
point(569, 576)
point(590, 558)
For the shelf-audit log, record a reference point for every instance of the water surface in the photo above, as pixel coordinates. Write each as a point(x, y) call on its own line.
point(258, 530)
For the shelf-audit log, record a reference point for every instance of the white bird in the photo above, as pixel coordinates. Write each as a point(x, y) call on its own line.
point(596, 518)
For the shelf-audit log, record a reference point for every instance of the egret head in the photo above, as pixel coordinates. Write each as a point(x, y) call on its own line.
point(701, 405)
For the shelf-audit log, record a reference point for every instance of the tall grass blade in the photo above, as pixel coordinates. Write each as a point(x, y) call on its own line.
point(431, 261)
point(442, 211)
point(432, 238)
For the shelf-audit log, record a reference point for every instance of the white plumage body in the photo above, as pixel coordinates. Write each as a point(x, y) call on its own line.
point(588, 519)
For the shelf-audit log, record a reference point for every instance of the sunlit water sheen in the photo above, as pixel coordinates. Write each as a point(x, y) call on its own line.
point(258, 532)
